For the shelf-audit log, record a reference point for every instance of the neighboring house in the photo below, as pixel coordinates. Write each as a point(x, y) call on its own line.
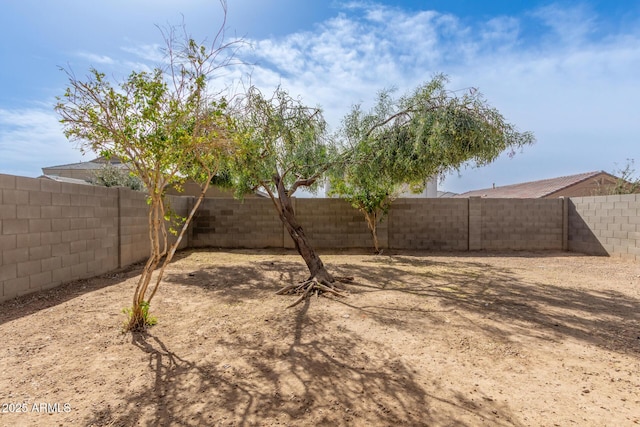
point(446, 194)
point(430, 191)
point(580, 185)
point(65, 179)
point(81, 171)
point(84, 173)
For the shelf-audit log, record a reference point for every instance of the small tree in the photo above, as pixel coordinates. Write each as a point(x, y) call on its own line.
point(283, 146)
point(406, 141)
point(167, 126)
point(110, 175)
point(627, 182)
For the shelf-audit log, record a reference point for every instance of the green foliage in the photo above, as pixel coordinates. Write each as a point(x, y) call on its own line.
point(627, 182)
point(408, 140)
point(146, 319)
point(280, 141)
point(112, 176)
point(164, 135)
point(175, 221)
point(166, 125)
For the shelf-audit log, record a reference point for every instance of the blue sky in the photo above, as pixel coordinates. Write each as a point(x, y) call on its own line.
point(566, 70)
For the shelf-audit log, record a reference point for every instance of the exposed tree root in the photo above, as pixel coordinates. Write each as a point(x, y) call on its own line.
point(313, 286)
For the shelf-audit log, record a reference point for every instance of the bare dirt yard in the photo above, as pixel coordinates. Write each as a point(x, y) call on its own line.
point(520, 339)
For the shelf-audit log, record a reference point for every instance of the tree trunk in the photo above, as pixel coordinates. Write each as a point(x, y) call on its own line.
point(157, 228)
point(372, 223)
point(137, 318)
point(316, 267)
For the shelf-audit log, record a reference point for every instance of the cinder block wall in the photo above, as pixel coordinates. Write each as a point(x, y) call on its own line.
point(134, 228)
point(134, 224)
point(53, 232)
point(517, 224)
point(605, 225)
point(432, 224)
point(429, 224)
point(181, 206)
point(229, 223)
point(333, 223)
point(254, 223)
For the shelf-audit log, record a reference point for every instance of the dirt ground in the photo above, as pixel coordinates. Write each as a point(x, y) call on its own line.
point(520, 339)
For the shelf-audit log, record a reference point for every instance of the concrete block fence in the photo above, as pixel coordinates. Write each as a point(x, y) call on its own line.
point(429, 224)
point(254, 223)
point(518, 224)
point(606, 225)
point(52, 232)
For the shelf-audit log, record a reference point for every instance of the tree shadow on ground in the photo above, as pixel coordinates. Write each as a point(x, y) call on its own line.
point(605, 318)
point(31, 303)
point(307, 372)
point(231, 283)
point(303, 374)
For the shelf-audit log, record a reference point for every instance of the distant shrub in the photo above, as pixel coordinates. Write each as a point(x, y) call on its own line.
point(112, 176)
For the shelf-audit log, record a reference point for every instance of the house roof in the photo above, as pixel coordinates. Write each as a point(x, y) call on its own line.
point(79, 166)
point(90, 165)
point(533, 189)
point(65, 179)
point(446, 194)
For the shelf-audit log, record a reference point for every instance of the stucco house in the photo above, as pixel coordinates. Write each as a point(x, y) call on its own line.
point(83, 171)
point(584, 184)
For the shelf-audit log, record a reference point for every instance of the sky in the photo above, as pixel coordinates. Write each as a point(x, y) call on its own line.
point(568, 71)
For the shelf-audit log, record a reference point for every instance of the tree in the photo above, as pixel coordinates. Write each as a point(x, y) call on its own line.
point(406, 141)
point(167, 126)
point(110, 175)
point(283, 146)
point(627, 181)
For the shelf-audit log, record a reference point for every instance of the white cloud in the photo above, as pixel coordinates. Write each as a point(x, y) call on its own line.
point(575, 89)
point(503, 31)
point(30, 139)
point(95, 58)
point(572, 25)
point(147, 52)
point(347, 59)
point(552, 71)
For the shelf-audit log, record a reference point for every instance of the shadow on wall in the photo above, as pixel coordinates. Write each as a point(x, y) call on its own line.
point(582, 237)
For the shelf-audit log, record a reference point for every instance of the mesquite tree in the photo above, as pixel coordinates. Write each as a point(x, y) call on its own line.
point(406, 141)
point(167, 126)
point(283, 146)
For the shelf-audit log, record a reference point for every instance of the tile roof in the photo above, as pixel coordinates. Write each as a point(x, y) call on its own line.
point(533, 189)
point(90, 165)
point(79, 166)
point(65, 179)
